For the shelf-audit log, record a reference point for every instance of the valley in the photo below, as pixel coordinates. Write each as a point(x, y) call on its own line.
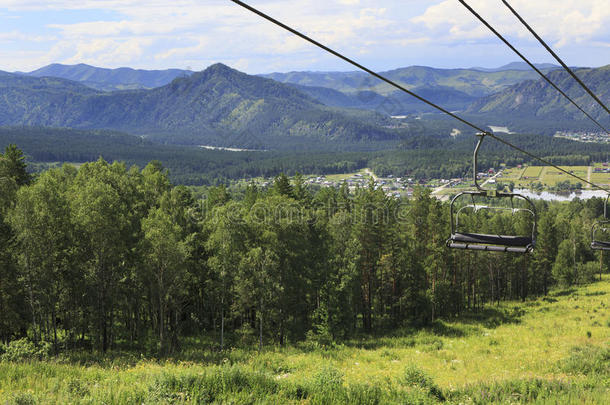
point(230, 138)
point(204, 203)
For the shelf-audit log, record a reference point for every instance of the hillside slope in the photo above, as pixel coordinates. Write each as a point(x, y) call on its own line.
point(537, 99)
point(552, 350)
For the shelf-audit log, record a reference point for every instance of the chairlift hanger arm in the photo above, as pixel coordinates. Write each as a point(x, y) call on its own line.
point(597, 244)
point(489, 242)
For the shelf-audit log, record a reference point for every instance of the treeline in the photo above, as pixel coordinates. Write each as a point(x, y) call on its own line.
point(187, 165)
point(428, 158)
point(108, 257)
point(420, 156)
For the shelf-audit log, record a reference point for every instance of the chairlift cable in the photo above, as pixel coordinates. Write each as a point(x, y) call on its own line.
point(492, 29)
point(557, 58)
point(398, 86)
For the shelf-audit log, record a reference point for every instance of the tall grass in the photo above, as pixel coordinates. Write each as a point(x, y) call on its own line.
point(548, 351)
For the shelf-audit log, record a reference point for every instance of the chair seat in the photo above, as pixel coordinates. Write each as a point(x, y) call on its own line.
point(485, 239)
point(491, 248)
point(600, 245)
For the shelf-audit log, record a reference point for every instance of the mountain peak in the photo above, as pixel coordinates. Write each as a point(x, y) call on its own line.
point(219, 68)
point(222, 72)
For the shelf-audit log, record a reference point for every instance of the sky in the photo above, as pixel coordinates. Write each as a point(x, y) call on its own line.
point(381, 34)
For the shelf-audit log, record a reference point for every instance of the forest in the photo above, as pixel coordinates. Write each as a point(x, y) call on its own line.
point(425, 154)
point(108, 257)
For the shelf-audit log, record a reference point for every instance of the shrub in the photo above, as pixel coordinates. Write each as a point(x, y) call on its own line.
point(415, 377)
point(77, 388)
point(587, 271)
point(24, 349)
point(25, 398)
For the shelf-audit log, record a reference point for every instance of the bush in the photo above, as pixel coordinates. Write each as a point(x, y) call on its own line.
point(320, 335)
point(587, 271)
point(25, 398)
point(415, 377)
point(24, 349)
point(247, 335)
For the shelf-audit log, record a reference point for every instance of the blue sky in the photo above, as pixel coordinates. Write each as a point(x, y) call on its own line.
point(382, 34)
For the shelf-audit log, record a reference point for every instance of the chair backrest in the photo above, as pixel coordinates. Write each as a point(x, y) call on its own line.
point(481, 241)
point(476, 240)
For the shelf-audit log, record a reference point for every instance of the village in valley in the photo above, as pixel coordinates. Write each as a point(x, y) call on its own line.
point(584, 136)
point(526, 177)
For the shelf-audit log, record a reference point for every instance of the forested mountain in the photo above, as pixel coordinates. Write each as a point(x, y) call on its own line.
point(454, 89)
point(216, 106)
point(110, 79)
point(395, 103)
point(538, 99)
point(469, 81)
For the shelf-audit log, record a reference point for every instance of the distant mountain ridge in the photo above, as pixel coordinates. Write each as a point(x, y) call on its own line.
point(472, 81)
point(454, 89)
point(537, 99)
point(518, 66)
point(110, 79)
point(218, 105)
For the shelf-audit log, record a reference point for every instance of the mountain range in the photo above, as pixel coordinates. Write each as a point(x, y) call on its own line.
point(471, 82)
point(537, 99)
point(225, 107)
point(110, 79)
point(216, 106)
point(456, 89)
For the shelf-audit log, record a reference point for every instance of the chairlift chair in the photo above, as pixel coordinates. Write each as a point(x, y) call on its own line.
point(604, 226)
point(490, 242)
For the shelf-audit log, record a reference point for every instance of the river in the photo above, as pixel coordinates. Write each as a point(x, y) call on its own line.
point(565, 196)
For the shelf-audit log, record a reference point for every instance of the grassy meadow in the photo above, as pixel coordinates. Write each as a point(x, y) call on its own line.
point(549, 176)
point(552, 350)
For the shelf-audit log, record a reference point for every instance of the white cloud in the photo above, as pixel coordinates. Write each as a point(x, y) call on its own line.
point(565, 22)
point(14, 36)
point(230, 31)
point(383, 34)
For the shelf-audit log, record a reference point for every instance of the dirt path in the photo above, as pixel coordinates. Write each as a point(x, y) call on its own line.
point(370, 173)
point(590, 169)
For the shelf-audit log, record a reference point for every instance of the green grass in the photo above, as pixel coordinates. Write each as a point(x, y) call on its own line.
point(553, 176)
point(532, 172)
point(600, 178)
point(550, 350)
point(344, 176)
point(550, 176)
